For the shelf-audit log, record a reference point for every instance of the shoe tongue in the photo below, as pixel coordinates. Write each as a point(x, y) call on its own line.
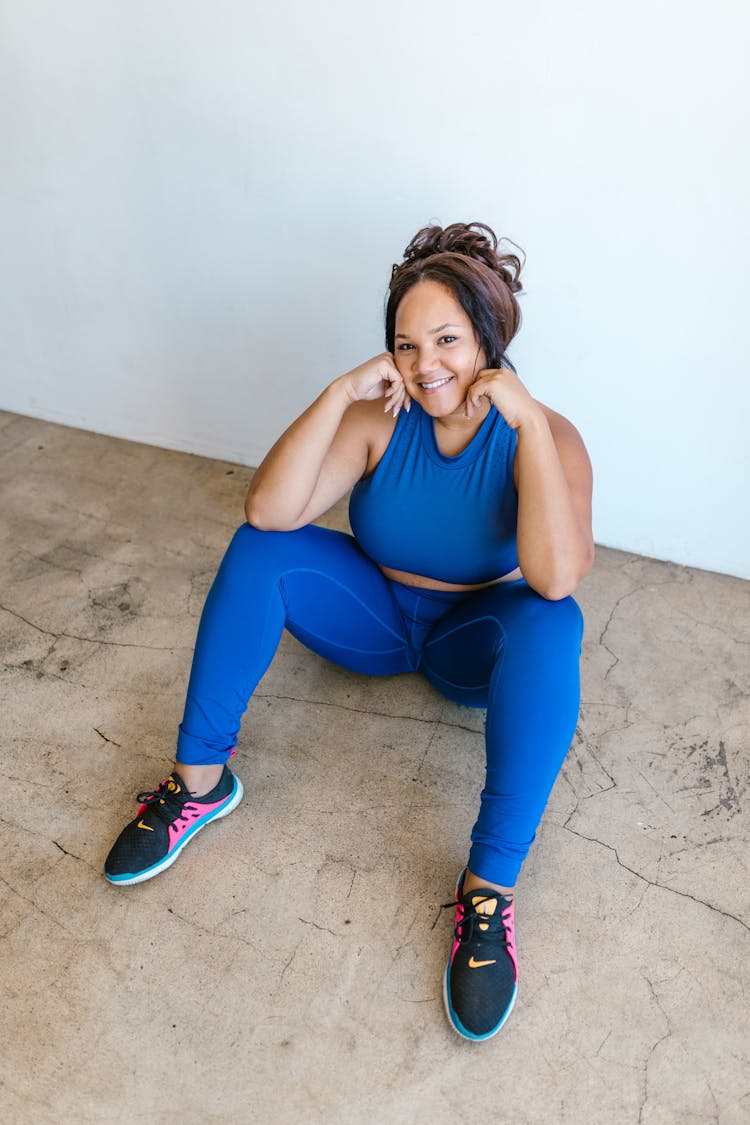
point(481, 901)
point(175, 784)
point(484, 900)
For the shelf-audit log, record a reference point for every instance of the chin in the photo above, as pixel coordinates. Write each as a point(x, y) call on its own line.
point(443, 409)
point(441, 402)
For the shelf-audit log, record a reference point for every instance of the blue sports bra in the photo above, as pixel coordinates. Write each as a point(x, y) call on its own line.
point(448, 518)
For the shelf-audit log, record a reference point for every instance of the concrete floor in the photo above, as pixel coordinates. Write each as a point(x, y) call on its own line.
point(288, 967)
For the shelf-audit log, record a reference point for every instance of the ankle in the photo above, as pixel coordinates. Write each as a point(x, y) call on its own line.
point(472, 882)
point(199, 780)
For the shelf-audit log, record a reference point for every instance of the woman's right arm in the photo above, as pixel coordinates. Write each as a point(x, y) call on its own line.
point(318, 459)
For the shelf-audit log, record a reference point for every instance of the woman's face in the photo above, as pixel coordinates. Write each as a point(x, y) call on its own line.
point(435, 348)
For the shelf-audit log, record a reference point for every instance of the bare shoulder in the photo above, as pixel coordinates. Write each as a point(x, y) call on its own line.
point(574, 460)
point(372, 426)
point(569, 443)
point(563, 430)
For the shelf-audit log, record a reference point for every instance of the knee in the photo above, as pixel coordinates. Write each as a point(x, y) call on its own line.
point(248, 549)
point(566, 613)
point(250, 546)
point(246, 538)
point(249, 537)
point(565, 622)
point(247, 533)
point(559, 620)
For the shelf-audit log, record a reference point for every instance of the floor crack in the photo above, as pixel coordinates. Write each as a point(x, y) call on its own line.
point(288, 963)
point(36, 908)
point(323, 929)
point(74, 856)
point(652, 883)
point(659, 1041)
point(364, 711)
point(110, 740)
point(90, 640)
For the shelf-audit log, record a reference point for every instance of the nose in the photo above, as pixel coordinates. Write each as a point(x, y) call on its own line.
point(426, 361)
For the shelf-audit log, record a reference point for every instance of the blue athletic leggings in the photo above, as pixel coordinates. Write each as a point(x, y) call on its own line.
point(504, 648)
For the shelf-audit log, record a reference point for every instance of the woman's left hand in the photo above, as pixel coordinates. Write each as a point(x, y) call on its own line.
point(505, 391)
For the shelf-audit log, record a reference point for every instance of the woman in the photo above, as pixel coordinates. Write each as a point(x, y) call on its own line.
point(471, 513)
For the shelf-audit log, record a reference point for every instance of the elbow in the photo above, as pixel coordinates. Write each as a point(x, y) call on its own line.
point(253, 515)
point(555, 591)
point(257, 523)
point(262, 519)
point(259, 520)
point(256, 516)
point(564, 582)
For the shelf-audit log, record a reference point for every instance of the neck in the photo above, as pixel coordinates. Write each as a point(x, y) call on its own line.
point(457, 422)
point(455, 431)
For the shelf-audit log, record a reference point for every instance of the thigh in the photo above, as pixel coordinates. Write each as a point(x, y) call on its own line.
point(506, 626)
point(338, 604)
point(315, 582)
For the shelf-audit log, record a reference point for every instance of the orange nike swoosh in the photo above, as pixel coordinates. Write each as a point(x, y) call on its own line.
point(478, 964)
point(142, 825)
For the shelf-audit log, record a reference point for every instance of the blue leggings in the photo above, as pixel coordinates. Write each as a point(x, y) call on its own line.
point(504, 648)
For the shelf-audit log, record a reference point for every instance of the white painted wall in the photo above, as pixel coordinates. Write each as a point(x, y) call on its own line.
point(200, 201)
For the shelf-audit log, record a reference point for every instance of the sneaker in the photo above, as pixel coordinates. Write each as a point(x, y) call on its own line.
point(481, 978)
point(167, 819)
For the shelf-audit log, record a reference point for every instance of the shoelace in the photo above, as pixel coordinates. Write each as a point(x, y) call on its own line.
point(495, 923)
point(166, 805)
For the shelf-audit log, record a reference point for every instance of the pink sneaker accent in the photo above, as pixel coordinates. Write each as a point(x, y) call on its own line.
point(190, 813)
point(509, 922)
point(458, 921)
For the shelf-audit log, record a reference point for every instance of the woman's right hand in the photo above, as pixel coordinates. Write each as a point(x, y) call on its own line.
point(378, 378)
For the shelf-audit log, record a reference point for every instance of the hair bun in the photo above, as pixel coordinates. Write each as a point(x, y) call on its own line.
point(472, 240)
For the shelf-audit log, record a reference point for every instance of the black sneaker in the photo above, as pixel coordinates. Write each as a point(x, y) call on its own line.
point(481, 979)
point(167, 819)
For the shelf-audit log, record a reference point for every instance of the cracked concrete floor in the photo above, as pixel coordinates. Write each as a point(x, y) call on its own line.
point(288, 967)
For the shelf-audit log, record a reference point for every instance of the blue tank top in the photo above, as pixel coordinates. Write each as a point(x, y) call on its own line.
point(449, 518)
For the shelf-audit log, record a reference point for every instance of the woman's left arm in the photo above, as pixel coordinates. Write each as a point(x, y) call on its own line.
point(554, 483)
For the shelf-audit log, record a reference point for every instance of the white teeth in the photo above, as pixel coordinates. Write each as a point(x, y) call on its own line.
point(437, 383)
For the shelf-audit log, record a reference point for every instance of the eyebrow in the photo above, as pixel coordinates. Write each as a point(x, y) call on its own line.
point(440, 327)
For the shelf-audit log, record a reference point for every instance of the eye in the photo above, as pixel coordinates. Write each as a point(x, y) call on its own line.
point(405, 347)
point(448, 339)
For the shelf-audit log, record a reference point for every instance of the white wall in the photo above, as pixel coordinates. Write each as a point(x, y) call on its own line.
point(200, 201)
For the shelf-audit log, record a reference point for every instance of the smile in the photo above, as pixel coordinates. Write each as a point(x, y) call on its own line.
point(438, 383)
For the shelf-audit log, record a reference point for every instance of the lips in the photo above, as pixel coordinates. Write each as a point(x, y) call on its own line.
point(435, 385)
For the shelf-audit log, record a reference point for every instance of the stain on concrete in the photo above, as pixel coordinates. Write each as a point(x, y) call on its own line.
point(112, 606)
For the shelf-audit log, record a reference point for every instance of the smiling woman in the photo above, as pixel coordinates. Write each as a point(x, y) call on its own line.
point(464, 260)
point(431, 360)
point(471, 516)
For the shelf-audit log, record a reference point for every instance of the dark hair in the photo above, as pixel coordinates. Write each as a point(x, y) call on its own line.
point(464, 258)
